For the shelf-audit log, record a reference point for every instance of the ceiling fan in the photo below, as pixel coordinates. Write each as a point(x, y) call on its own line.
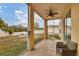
point(51, 13)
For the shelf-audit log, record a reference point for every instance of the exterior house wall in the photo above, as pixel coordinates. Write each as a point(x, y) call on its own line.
point(75, 23)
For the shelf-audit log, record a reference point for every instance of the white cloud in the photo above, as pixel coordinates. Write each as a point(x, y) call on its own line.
point(21, 18)
point(38, 19)
point(18, 11)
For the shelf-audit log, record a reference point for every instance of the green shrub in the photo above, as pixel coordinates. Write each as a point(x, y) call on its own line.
point(57, 36)
point(38, 38)
point(9, 30)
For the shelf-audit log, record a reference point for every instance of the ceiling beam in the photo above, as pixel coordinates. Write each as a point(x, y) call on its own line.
point(67, 11)
point(37, 12)
point(54, 19)
point(40, 15)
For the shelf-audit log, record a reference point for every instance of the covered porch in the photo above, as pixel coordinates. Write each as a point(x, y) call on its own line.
point(46, 46)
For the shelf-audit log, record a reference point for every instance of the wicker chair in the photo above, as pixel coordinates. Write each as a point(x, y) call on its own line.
point(66, 50)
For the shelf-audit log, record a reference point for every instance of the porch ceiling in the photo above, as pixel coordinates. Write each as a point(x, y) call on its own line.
point(42, 9)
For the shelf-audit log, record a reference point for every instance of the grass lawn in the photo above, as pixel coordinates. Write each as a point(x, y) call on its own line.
point(38, 38)
point(56, 36)
point(15, 45)
point(12, 46)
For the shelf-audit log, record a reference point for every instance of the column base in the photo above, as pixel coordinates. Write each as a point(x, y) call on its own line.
point(31, 49)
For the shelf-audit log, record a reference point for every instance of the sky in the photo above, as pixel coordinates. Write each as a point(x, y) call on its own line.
point(17, 14)
point(14, 14)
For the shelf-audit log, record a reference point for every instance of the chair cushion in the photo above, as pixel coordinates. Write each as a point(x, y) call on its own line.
point(71, 46)
point(60, 45)
point(60, 50)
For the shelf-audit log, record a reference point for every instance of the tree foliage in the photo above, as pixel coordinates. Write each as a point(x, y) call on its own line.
point(36, 25)
point(11, 29)
point(2, 24)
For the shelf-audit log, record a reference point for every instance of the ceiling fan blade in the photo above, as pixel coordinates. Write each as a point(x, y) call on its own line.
point(50, 12)
point(55, 13)
point(52, 15)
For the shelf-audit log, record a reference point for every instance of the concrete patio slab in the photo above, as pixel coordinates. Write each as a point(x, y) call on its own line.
point(43, 48)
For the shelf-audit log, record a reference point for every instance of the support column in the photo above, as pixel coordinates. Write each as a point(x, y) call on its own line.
point(63, 31)
point(30, 41)
point(45, 30)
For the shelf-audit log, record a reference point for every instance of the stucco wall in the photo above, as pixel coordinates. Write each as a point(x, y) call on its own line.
point(75, 23)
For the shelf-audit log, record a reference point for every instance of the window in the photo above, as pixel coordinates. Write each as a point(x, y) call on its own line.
point(68, 29)
point(53, 29)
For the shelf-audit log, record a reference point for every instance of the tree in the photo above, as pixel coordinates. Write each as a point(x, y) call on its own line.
point(2, 23)
point(10, 30)
point(36, 25)
point(5, 27)
point(19, 28)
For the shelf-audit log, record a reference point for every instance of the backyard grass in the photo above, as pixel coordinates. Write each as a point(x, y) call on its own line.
point(56, 36)
point(12, 46)
point(15, 45)
point(38, 38)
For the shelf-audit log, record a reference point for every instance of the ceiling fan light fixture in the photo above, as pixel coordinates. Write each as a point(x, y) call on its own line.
point(51, 13)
